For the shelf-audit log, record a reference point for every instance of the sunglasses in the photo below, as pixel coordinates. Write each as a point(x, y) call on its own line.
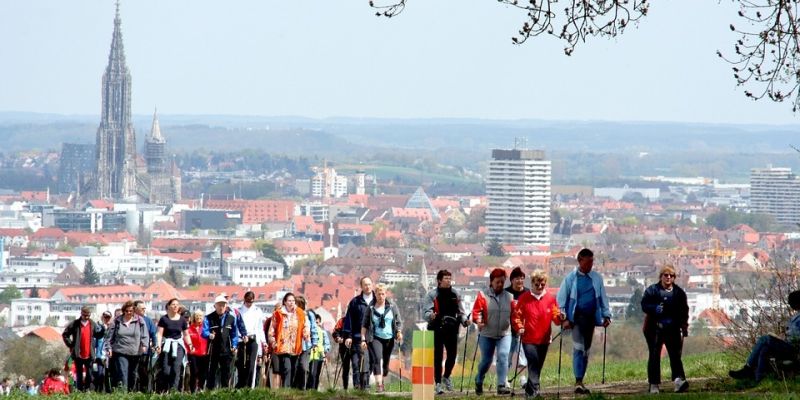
point(668, 275)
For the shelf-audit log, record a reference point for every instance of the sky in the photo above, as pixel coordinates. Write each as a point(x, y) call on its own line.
point(323, 58)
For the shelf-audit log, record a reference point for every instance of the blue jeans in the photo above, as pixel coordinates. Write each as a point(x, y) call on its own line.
point(582, 334)
point(488, 347)
point(767, 347)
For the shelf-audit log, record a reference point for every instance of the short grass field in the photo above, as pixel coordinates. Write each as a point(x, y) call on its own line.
point(707, 374)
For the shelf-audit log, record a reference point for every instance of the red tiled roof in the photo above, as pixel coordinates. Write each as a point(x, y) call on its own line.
point(298, 247)
point(46, 333)
point(11, 232)
point(48, 233)
point(257, 211)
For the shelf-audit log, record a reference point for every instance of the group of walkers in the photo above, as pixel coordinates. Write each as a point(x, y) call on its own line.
point(289, 348)
point(514, 323)
point(197, 351)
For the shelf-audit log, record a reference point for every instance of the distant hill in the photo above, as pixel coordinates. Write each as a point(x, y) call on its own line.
point(298, 134)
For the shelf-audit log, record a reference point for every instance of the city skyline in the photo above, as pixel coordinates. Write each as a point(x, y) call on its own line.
point(327, 60)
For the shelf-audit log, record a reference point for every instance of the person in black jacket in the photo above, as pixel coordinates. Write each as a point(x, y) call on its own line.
point(81, 337)
point(344, 352)
point(351, 331)
point(666, 323)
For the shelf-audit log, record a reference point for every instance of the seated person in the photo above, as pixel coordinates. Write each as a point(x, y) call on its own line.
point(771, 346)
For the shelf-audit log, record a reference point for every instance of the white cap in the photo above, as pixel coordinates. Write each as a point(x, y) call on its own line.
point(220, 299)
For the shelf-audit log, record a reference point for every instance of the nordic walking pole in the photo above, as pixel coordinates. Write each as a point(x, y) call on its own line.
point(400, 352)
point(560, 344)
point(464, 362)
point(474, 356)
point(605, 339)
point(516, 371)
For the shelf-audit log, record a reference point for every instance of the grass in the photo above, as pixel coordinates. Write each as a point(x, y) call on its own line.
point(624, 379)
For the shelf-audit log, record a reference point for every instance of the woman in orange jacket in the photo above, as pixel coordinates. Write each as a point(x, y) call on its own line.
point(533, 316)
point(286, 333)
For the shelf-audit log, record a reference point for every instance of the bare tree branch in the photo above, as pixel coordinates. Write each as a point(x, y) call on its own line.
point(765, 57)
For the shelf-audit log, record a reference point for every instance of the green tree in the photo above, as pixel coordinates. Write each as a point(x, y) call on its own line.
point(9, 293)
point(35, 292)
point(269, 251)
point(633, 312)
point(495, 248)
point(173, 277)
point(194, 280)
point(90, 276)
point(30, 357)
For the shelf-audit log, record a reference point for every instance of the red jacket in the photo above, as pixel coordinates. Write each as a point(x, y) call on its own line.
point(536, 316)
point(54, 386)
point(199, 343)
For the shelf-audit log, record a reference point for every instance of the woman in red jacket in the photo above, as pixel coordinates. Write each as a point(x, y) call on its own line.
point(198, 353)
point(534, 314)
point(55, 383)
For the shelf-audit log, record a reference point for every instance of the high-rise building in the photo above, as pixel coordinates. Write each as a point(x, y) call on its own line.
point(518, 188)
point(76, 165)
point(116, 140)
point(776, 191)
point(327, 183)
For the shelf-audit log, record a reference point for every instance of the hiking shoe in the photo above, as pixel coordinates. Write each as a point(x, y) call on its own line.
point(439, 388)
point(580, 388)
point(745, 372)
point(379, 388)
point(479, 389)
point(502, 390)
point(681, 385)
point(653, 389)
point(448, 384)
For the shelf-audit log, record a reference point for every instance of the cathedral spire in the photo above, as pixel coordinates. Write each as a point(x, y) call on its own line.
point(155, 132)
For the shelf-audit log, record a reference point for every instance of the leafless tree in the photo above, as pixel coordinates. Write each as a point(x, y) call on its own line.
point(765, 58)
point(763, 302)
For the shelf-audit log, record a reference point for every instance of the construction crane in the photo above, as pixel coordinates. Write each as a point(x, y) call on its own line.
point(715, 251)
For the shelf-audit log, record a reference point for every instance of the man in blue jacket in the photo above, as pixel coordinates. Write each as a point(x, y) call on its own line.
point(584, 305)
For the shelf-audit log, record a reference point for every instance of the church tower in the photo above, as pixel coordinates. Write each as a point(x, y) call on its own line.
point(116, 140)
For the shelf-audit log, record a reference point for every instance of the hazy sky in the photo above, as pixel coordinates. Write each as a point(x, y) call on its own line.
point(440, 58)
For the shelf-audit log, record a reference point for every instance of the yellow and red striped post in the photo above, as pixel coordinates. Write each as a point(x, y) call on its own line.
point(422, 366)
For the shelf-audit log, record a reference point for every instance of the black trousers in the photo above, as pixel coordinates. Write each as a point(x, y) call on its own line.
point(198, 368)
point(83, 372)
point(345, 357)
point(656, 339)
point(360, 363)
point(444, 339)
point(246, 363)
point(221, 363)
point(314, 371)
point(301, 371)
point(287, 364)
point(380, 351)
point(171, 370)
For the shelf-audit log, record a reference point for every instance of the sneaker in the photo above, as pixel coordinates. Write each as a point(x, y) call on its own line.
point(439, 388)
point(448, 384)
point(681, 385)
point(479, 389)
point(653, 389)
point(580, 388)
point(502, 390)
point(745, 372)
point(379, 388)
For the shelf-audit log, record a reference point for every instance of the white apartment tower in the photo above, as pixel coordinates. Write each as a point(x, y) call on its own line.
point(518, 188)
point(776, 191)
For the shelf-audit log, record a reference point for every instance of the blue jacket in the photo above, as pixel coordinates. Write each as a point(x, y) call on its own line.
point(311, 321)
point(568, 297)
